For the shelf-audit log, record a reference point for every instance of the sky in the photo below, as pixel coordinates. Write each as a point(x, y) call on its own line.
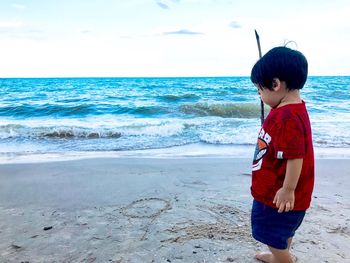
point(167, 38)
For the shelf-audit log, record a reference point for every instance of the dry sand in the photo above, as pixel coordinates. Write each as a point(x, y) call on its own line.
point(156, 210)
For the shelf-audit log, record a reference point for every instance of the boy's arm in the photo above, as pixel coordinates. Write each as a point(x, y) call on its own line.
point(284, 198)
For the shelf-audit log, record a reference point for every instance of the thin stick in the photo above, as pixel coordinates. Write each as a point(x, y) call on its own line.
point(261, 102)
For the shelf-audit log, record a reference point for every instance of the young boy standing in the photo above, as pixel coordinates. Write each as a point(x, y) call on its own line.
point(283, 166)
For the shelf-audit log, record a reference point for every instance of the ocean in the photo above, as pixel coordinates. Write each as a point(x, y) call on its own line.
point(155, 116)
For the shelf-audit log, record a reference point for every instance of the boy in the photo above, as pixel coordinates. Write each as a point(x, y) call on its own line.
point(283, 166)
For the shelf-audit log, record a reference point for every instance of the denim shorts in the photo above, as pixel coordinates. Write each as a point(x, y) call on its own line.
point(273, 228)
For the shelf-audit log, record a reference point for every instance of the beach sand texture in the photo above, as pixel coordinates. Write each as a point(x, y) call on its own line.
point(156, 210)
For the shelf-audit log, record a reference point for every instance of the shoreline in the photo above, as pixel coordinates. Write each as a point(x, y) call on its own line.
point(177, 152)
point(156, 210)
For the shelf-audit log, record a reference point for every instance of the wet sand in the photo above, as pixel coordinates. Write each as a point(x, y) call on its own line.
point(156, 210)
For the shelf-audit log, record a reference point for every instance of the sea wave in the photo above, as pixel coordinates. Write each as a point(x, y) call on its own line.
point(81, 110)
point(22, 131)
point(71, 133)
point(226, 110)
point(165, 129)
point(181, 97)
point(138, 135)
point(34, 110)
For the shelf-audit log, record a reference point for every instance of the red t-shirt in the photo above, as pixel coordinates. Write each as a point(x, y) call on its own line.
point(285, 134)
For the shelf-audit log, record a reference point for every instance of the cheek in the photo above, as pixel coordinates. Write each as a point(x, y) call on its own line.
point(265, 98)
point(262, 95)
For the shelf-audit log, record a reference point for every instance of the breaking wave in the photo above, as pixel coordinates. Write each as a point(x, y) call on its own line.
point(226, 110)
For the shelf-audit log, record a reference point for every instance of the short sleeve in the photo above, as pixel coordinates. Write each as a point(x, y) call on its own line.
point(290, 143)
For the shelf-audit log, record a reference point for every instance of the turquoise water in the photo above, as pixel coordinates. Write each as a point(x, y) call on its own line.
point(123, 114)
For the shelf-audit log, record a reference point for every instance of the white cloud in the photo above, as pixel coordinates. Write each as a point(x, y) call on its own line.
point(235, 24)
point(85, 31)
point(162, 5)
point(17, 29)
point(182, 32)
point(18, 6)
point(11, 24)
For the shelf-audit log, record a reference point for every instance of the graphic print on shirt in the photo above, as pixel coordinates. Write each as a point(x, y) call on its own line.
point(261, 149)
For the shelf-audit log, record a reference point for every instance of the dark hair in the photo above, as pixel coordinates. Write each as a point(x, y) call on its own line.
point(286, 64)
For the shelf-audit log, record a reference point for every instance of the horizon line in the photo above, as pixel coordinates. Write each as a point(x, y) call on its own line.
point(150, 77)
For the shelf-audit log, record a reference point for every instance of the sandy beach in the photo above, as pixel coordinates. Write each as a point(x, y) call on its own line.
point(156, 210)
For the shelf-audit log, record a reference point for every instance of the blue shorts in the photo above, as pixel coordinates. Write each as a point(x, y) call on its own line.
point(273, 228)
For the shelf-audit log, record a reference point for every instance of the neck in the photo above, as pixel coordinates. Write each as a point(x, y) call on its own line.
point(290, 97)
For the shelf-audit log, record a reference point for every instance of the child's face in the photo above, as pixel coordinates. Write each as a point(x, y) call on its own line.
point(272, 97)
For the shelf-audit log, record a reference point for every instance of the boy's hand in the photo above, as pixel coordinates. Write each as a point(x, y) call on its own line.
point(284, 200)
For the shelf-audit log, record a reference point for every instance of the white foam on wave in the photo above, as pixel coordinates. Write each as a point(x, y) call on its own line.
point(106, 127)
point(225, 133)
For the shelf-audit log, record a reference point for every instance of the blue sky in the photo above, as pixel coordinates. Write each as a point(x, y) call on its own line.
point(118, 38)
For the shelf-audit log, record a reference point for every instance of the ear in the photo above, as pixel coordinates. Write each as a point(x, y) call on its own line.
point(276, 84)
